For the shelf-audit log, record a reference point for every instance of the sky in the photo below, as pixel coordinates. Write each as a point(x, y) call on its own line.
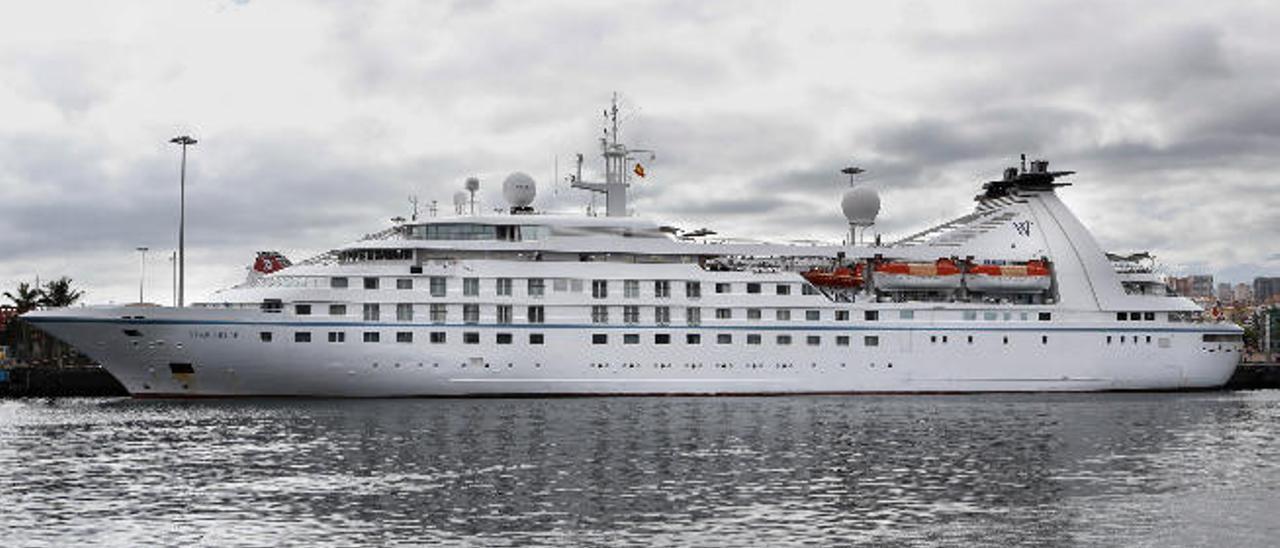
point(317, 120)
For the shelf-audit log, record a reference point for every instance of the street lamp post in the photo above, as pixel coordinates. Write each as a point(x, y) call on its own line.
point(185, 141)
point(173, 270)
point(142, 276)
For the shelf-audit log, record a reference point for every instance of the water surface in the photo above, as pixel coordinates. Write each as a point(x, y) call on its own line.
point(1108, 469)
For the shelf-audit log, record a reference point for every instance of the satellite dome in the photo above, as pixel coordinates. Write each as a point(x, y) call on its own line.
point(861, 204)
point(519, 189)
point(460, 198)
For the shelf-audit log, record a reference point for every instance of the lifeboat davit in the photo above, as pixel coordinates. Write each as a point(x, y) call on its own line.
point(940, 275)
point(1032, 277)
point(837, 277)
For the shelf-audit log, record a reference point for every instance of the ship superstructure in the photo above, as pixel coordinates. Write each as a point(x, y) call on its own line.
point(1014, 296)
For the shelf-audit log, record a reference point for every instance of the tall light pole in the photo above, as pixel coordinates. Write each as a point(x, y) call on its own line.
point(142, 275)
point(185, 141)
point(173, 270)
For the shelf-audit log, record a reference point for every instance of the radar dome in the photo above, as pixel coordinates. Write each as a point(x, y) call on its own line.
point(861, 204)
point(519, 189)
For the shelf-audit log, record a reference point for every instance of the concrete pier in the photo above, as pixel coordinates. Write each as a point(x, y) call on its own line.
point(59, 382)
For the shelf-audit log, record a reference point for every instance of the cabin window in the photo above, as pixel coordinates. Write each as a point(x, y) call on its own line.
point(753, 288)
point(693, 315)
point(871, 315)
point(404, 283)
point(812, 315)
point(264, 336)
point(504, 287)
point(753, 338)
point(753, 313)
point(536, 314)
point(661, 315)
point(724, 313)
point(272, 306)
point(662, 338)
point(371, 312)
point(722, 288)
point(1135, 316)
point(970, 315)
point(470, 287)
point(503, 338)
point(724, 338)
point(813, 340)
point(1044, 339)
point(631, 338)
point(933, 338)
point(371, 336)
point(1045, 316)
point(871, 340)
point(662, 289)
point(302, 309)
point(404, 336)
point(630, 314)
point(438, 286)
point(437, 337)
point(537, 287)
point(783, 340)
point(337, 310)
point(630, 289)
point(1108, 339)
point(970, 339)
point(989, 316)
point(536, 338)
point(404, 312)
point(692, 338)
point(302, 337)
point(599, 338)
point(337, 337)
point(783, 315)
point(1122, 316)
point(470, 313)
point(503, 313)
point(337, 283)
point(842, 340)
point(600, 289)
point(439, 313)
point(599, 314)
point(693, 290)
point(1149, 316)
point(906, 314)
point(807, 289)
point(783, 289)
point(470, 337)
point(370, 283)
point(1006, 340)
point(842, 315)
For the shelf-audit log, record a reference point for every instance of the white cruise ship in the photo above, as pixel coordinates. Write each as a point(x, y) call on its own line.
point(1013, 296)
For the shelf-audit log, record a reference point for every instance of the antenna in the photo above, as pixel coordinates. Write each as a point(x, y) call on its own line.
point(413, 201)
point(473, 184)
point(432, 209)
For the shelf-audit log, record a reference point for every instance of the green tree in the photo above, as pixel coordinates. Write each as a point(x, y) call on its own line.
point(27, 297)
point(59, 293)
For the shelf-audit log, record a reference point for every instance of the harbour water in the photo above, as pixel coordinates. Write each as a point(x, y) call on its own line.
point(1163, 469)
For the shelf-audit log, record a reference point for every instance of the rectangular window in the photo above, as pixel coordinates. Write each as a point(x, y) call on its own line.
point(537, 287)
point(753, 338)
point(692, 338)
point(1149, 316)
point(471, 287)
point(724, 338)
point(662, 338)
point(470, 313)
point(783, 315)
point(337, 283)
point(503, 338)
point(439, 286)
point(871, 315)
point(1135, 317)
point(470, 337)
point(439, 313)
point(693, 290)
point(599, 314)
point(404, 312)
point(536, 314)
point(370, 283)
point(871, 340)
point(631, 338)
point(842, 340)
point(504, 287)
point(989, 316)
point(1045, 316)
point(753, 313)
point(631, 314)
point(302, 309)
point(337, 337)
point(631, 289)
point(784, 340)
point(404, 336)
point(753, 288)
point(504, 313)
point(600, 289)
point(661, 315)
point(970, 315)
point(599, 338)
point(724, 313)
point(807, 289)
point(1122, 316)
point(575, 286)
point(906, 314)
point(722, 288)
point(265, 336)
point(371, 336)
point(783, 289)
point(813, 340)
point(693, 315)
point(662, 289)
point(812, 315)
point(302, 337)
point(371, 312)
point(437, 337)
point(404, 283)
point(535, 338)
point(842, 315)
point(337, 310)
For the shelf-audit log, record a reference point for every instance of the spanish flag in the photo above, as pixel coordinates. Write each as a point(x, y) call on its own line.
point(639, 169)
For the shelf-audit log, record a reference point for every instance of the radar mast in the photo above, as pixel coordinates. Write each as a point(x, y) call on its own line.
point(616, 158)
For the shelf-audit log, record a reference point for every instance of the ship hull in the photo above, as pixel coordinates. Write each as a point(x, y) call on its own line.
point(165, 352)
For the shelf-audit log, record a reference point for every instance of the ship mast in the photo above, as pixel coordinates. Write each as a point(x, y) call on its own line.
point(616, 158)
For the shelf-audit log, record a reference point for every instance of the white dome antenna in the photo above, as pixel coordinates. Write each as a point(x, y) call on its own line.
point(860, 204)
point(519, 190)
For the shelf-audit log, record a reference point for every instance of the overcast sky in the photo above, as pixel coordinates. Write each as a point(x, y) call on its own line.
point(317, 120)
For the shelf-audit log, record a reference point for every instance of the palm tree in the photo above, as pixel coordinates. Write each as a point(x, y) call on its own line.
point(27, 298)
point(59, 293)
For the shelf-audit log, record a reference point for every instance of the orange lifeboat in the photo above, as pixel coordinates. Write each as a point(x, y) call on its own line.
point(837, 277)
point(942, 274)
point(1032, 277)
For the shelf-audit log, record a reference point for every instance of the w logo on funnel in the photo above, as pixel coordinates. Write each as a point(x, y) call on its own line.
point(1023, 228)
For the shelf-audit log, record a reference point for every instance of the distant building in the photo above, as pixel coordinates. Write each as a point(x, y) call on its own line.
point(1243, 293)
point(1269, 330)
point(1225, 293)
point(1195, 286)
point(1265, 289)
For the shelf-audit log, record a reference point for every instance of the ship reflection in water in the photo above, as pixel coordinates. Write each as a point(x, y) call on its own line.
point(1104, 469)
